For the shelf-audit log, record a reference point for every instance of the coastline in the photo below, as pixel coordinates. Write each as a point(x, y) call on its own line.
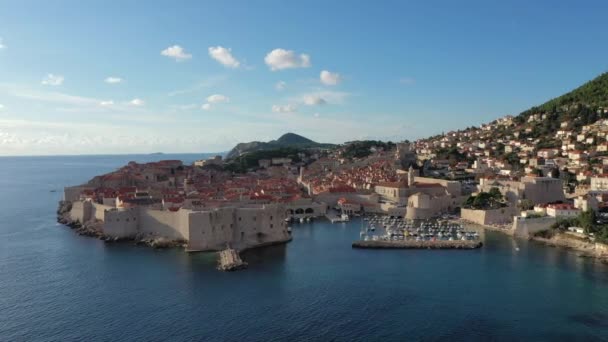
point(93, 229)
point(585, 249)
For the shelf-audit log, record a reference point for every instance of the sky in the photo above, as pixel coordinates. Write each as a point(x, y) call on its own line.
point(113, 77)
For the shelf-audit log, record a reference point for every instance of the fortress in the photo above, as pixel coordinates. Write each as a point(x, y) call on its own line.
point(210, 229)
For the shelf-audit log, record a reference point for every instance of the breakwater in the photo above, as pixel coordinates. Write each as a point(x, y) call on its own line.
point(412, 244)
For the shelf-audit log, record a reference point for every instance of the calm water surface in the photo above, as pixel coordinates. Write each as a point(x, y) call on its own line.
point(58, 286)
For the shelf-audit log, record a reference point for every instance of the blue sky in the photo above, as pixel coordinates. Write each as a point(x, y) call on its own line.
point(79, 77)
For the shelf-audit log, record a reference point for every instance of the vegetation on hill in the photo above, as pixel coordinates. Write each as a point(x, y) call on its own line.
point(587, 220)
point(592, 93)
point(291, 140)
point(579, 106)
point(250, 160)
point(363, 148)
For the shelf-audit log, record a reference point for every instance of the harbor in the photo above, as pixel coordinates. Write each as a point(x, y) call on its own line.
point(413, 244)
point(394, 232)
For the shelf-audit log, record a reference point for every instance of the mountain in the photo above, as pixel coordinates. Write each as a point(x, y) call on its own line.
point(286, 140)
point(289, 139)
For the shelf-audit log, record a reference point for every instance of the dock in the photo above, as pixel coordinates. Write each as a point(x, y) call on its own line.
point(412, 244)
point(333, 218)
point(230, 260)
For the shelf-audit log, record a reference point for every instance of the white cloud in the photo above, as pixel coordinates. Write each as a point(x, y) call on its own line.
point(217, 98)
point(106, 103)
point(2, 46)
point(279, 59)
point(224, 56)
point(137, 102)
point(53, 80)
point(280, 85)
point(176, 52)
point(407, 80)
point(284, 109)
point(316, 115)
point(113, 80)
point(314, 100)
point(213, 100)
point(330, 78)
point(1, 106)
point(321, 97)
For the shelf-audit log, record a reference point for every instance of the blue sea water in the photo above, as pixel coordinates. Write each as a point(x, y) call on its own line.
point(58, 286)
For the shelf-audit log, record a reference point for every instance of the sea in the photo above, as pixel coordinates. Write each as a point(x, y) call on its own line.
point(58, 286)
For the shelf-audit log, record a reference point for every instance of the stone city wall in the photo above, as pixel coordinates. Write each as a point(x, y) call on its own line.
point(487, 217)
point(525, 227)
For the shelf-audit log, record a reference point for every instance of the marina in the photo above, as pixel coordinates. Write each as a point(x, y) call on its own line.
point(395, 232)
point(413, 244)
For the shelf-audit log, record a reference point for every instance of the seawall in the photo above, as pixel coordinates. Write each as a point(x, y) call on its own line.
point(441, 244)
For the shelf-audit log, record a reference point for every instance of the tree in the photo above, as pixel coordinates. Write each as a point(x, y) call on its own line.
point(587, 221)
point(495, 193)
point(525, 204)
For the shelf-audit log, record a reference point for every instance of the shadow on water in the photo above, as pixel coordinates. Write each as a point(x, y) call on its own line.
point(592, 319)
point(475, 329)
point(265, 255)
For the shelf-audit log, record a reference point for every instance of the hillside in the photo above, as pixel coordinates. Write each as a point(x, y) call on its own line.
point(288, 140)
point(581, 106)
point(591, 94)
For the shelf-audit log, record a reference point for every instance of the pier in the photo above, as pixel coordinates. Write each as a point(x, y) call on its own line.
point(334, 217)
point(230, 261)
point(413, 244)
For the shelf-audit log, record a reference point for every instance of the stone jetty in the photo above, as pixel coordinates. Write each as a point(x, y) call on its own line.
point(412, 244)
point(230, 261)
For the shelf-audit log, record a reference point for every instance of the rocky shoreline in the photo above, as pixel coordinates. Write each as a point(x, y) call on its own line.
point(586, 249)
point(93, 228)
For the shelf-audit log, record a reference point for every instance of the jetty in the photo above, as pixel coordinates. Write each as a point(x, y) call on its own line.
point(413, 244)
point(230, 261)
point(333, 217)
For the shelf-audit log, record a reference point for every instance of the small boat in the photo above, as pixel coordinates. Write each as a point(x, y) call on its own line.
point(344, 217)
point(289, 230)
point(301, 220)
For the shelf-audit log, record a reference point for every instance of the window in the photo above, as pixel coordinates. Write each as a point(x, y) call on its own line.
point(270, 218)
point(271, 225)
point(240, 218)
